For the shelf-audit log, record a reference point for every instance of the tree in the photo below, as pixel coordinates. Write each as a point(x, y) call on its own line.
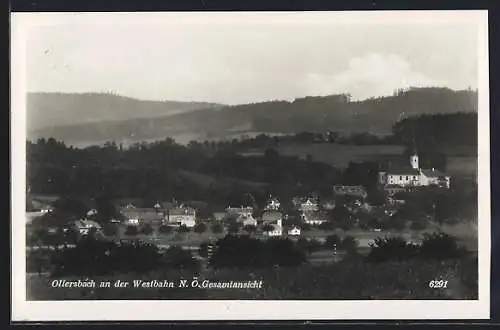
point(440, 246)
point(147, 229)
point(183, 229)
point(392, 249)
point(217, 228)
point(200, 228)
point(349, 244)
point(131, 231)
point(110, 229)
point(250, 228)
point(267, 228)
point(165, 229)
point(332, 242)
point(203, 250)
point(234, 227)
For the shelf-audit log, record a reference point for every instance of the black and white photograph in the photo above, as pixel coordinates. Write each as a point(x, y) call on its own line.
point(250, 165)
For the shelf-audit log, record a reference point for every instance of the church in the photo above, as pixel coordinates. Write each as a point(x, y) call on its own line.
point(414, 176)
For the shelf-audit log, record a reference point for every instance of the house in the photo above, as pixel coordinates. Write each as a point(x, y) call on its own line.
point(274, 219)
point(294, 231)
point(242, 210)
point(219, 216)
point(277, 231)
point(91, 212)
point(247, 220)
point(181, 216)
point(353, 191)
point(84, 226)
point(314, 217)
point(273, 204)
point(270, 217)
point(414, 176)
point(328, 205)
point(309, 205)
point(135, 216)
point(392, 189)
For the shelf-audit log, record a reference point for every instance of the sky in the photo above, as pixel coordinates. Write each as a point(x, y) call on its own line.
point(235, 59)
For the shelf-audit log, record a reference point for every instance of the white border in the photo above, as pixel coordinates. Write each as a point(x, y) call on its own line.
point(23, 310)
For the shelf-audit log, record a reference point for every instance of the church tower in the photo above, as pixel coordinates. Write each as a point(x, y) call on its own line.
point(414, 155)
point(414, 161)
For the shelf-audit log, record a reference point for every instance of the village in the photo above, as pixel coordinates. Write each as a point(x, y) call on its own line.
point(348, 210)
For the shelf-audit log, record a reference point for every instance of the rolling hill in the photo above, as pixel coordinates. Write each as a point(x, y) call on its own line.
point(47, 110)
point(314, 114)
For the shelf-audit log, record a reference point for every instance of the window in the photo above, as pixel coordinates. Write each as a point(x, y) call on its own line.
point(401, 177)
point(406, 177)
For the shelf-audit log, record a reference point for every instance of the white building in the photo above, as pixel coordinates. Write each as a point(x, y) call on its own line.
point(294, 231)
point(414, 176)
point(240, 211)
point(314, 217)
point(181, 216)
point(84, 226)
point(274, 219)
point(309, 205)
point(273, 204)
point(247, 220)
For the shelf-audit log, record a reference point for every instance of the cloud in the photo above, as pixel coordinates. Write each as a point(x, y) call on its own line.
point(369, 76)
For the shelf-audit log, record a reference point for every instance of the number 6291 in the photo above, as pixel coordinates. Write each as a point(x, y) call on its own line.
point(441, 284)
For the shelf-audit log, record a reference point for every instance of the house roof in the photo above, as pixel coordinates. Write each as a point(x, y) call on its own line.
point(271, 216)
point(143, 213)
point(349, 189)
point(315, 216)
point(433, 173)
point(86, 224)
point(403, 171)
point(182, 211)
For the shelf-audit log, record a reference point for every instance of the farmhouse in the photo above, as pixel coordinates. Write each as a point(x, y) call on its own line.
point(181, 216)
point(314, 217)
point(294, 231)
point(274, 219)
point(84, 226)
point(219, 216)
point(135, 216)
point(309, 205)
point(242, 210)
point(414, 176)
point(247, 220)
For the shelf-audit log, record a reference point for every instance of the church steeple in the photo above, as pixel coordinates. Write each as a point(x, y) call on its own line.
point(414, 154)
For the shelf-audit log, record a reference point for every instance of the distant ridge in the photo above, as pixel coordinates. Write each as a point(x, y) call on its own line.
point(314, 114)
point(59, 109)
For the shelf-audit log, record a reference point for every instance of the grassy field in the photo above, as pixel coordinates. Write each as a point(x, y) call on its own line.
point(339, 155)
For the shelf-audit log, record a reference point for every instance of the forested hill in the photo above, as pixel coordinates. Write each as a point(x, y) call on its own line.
point(312, 114)
point(56, 109)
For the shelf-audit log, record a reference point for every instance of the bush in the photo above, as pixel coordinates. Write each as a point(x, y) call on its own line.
point(349, 244)
point(250, 228)
point(165, 229)
point(131, 231)
point(440, 246)
point(147, 229)
point(246, 252)
point(200, 228)
point(183, 229)
point(392, 248)
point(217, 228)
point(110, 229)
point(419, 224)
point(332, 242)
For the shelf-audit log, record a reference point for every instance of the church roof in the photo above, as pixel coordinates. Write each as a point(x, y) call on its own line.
point(402, 171)
point(433, 173)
